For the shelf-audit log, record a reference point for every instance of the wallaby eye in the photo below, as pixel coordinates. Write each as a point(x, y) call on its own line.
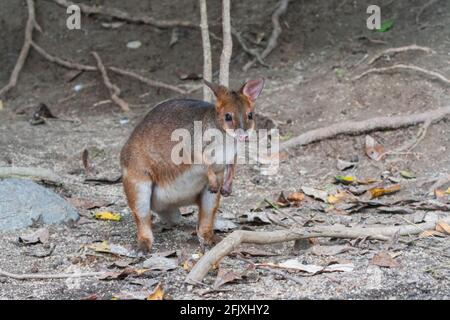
point(250, 116)
point(228, 117)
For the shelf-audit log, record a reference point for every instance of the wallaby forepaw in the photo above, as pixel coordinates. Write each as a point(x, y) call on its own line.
point(226, 192)
point(213, 189)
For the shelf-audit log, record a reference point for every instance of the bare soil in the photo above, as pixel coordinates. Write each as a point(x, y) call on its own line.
point(308, 86)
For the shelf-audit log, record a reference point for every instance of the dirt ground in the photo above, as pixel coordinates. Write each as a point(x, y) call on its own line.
point(308, 86)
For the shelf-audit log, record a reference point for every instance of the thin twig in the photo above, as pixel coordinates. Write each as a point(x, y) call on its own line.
point(251, 51)
point(122, 15)
point(358, 127)
point(113, 89)
point(432, 74)
point(422, 9)
point(273, 40)
point(30, 26)
point(392, 51)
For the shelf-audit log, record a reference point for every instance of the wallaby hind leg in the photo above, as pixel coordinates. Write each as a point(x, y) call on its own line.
point(208, 203)
point(139, 193)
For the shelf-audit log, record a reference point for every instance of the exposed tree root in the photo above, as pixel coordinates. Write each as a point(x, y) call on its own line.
point(30, 26)
point(273, 40)
point(122, 15)
point(432, 74)
point(113, 89)
point(236, 238)
point(358, 127)
point(251, 51)
point(392, 51)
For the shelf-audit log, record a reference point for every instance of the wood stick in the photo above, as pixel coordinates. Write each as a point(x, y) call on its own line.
point(122, 15)
point(31, 24)
point(113, 89)
point(78, 66)
point(31, 173)
point(30, 276)
point(358, 127)
point(236, 238)
point(400, 49)
point(206, 43)
point(273, 40)
point(432, 74)
point(227, 47)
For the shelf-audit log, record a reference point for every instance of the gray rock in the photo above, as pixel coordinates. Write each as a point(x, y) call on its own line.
point(22, 202)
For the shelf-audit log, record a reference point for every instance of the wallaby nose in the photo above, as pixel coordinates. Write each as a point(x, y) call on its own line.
point(241, 135)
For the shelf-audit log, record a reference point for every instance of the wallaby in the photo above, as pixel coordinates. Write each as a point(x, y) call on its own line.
point(153, 182)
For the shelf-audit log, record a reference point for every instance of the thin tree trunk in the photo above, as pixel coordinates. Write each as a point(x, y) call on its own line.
point(224, 77)
point(207, 61)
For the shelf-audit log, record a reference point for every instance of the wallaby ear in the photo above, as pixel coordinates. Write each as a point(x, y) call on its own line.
point(216, 89)
point(253, 88)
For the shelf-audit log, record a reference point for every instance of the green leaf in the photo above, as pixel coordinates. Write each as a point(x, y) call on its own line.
point(386, 26)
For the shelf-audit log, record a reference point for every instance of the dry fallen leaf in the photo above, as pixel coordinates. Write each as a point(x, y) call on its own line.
point(407, 174)
point(253, 252)
point(443, 227)
point(296, 197)
point(430, 233)
point(295, 265)
point(378, 192)
point(339, 197)
point(319, 250)
point(374, 150)
point(106, 215)
point(105, 247)
point(157, 294)
point(447, 191)
point(315, 193)
point(156, 262)
point(384, 259)
point(39, 236)
point(83, 203)
point(225, 275)
point(345, 179)
point(1, 105)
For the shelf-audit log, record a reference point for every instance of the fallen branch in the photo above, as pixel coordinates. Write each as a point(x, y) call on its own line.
point(404, 67)
point(30, 173)
point(125, 16)
point(30, 276)
point(227, 44)
point(114, 90)
point(400, 49)
point(358, 127)
point(77, 66)
point(273, 40)
point(30, 26)
point(236, 238)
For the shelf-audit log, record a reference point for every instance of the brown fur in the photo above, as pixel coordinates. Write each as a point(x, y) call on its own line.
point(146, 156)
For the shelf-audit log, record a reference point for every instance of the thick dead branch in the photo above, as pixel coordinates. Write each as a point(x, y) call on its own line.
point(432, 74)
point(273, 40)
point(30, 173)
point(392, 51)
point(227, 46)
point(122, 15)
point(236, 238)
point(113, 89)
point(77, 66)
point(358, 127)
point(206, 43)
point(34, 276)
point(31, 24)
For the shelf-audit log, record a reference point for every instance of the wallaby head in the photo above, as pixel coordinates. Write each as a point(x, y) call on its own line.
point(235, 110)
